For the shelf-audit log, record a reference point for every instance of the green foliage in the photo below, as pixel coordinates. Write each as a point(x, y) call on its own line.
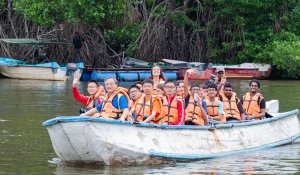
point(120, 38)
point(3, 4)
point(93, 12)
point(284, 54)
point(231, 31)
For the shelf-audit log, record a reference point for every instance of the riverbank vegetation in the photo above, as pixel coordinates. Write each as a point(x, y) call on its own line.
point(217, 31)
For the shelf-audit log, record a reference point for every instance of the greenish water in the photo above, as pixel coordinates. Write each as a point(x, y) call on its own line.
point(25, 146)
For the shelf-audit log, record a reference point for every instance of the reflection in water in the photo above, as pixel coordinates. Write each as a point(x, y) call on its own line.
point(280, 160)
point(25, 146)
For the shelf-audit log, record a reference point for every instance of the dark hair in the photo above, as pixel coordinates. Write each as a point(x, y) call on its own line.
point(161, 75)
point(160, 86)
point(133, 86)
point(227, 85)
point(255, 81)
point(114, 78)
point(93, 81)
point(212, 85)
point(204, 86)
point(178, 82)
point(138, 82)
point(148, 81)
point(195, 85)
point(169, 81)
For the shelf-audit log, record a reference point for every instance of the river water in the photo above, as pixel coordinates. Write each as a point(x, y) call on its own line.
point(25, 146)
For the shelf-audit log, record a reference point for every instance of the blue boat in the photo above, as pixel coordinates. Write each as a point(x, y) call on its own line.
point(100, 76)
point(86, 76)
point(124, 75)
point(170, 75)
point(128, 76)
point(144, 75)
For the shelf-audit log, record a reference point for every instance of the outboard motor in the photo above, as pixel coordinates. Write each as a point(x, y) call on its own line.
point(71, 68)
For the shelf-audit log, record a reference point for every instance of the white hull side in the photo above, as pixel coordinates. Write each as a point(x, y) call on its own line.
point(106, 143)
point(35, 73)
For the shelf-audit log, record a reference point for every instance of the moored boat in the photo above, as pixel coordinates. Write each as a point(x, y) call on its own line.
point(110, 142)
point(129, 76)
point(43, 71)
point(238, 72)
point(8, 61)
point(264, 70)
point(246, 70)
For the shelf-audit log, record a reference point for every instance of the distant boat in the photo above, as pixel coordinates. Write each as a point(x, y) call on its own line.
point(238, 72)
point(42, 71)
point(246, 70)
point(264, 70)
point(206, 70)
point(78, 139)
point(129, 62)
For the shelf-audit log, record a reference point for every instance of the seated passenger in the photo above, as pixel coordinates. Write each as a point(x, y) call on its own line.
point(134, 94)
point(140, 85)
point(194, 112)
point(180, 89)
point(160, 90)
point(172, 111)
point(193, 103)
point(115, 105)
point(148, 107)
point(233, 108)
point(93, 90)
point(253, 102)
point(214, 106)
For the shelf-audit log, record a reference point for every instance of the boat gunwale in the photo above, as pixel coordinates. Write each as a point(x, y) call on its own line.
point(63, 119)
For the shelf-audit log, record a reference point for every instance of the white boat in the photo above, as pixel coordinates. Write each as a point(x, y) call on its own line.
point(8, 61)
point(110, 142)
point(43, 71)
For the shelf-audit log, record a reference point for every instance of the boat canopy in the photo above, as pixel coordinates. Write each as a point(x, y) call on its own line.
point(29, 41)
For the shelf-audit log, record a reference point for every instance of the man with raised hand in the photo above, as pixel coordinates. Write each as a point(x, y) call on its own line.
point(115, 104)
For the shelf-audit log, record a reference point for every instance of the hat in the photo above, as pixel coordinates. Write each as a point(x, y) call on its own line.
point(220, 69)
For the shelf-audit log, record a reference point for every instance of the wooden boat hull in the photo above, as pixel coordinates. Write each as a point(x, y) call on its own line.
point(98, 140)
point(36, 73)
point(247, 70)
point(240, 73)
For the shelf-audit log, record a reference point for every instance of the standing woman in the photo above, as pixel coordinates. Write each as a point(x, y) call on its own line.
point(157, 76)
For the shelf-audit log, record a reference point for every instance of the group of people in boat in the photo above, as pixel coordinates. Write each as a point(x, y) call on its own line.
point(157, 100)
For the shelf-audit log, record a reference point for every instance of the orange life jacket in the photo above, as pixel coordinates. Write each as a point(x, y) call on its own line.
point(93, 102)
point(99, 92)
point(212, 109)
point(194, 111)
point(251, 105)
point(144, 109)
point(108, 110)
point(230, 107)
point(169, 111)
